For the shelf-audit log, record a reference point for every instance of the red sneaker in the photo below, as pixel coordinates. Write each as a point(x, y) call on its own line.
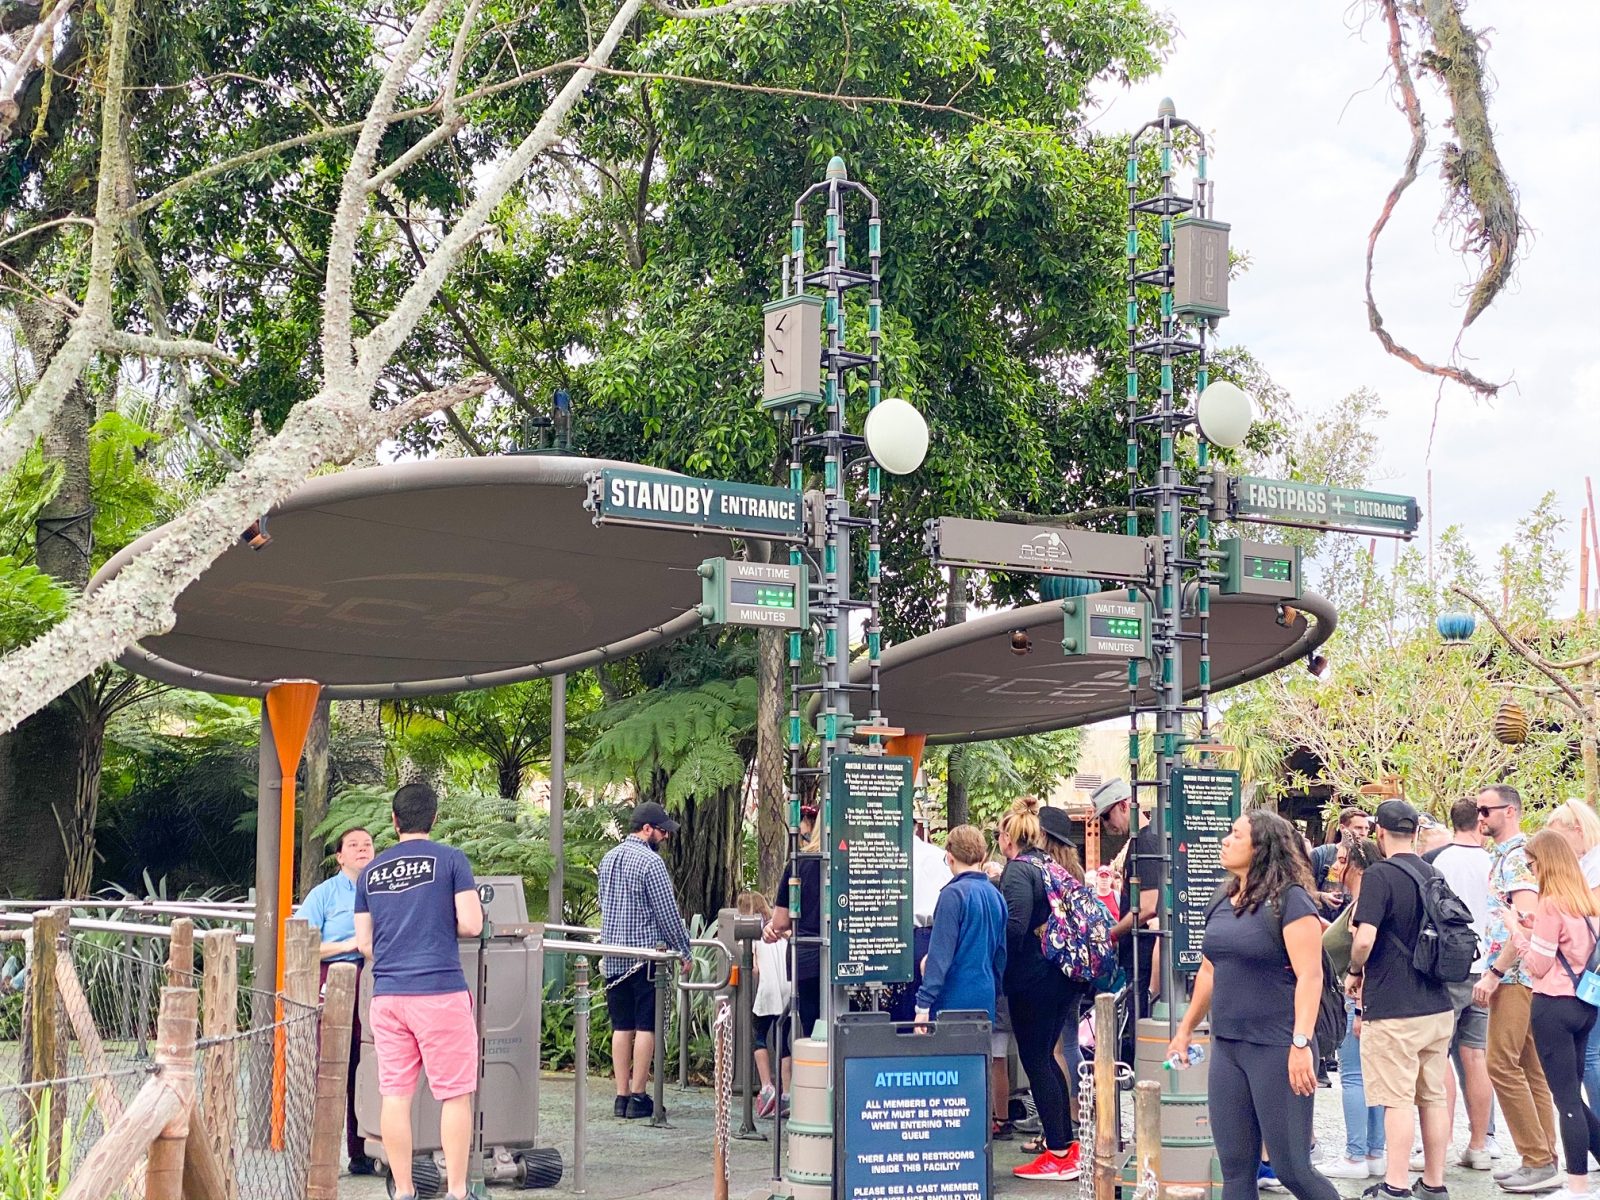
point(1063, 1167)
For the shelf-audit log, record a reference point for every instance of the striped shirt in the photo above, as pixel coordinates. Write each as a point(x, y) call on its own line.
point(637, 906)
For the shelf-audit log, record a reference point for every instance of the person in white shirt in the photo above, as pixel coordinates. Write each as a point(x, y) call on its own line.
point(771, 1031)
point(1580, 826)
point(1464, 863)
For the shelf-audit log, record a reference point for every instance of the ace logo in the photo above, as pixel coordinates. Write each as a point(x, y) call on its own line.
point(401, 874)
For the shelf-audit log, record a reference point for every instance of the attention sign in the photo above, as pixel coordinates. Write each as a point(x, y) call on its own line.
point(869, 871)
point(1317, 506)
point(659, 500)
point(916, 1127)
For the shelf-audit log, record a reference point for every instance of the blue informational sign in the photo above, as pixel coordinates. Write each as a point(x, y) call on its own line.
point(916, 1127)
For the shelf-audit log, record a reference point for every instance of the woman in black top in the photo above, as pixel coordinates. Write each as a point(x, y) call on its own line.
point(1041, 998)
point(1261, 980)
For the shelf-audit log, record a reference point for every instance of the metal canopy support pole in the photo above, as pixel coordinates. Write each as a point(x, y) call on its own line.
point(1172, 502)
point(558, 797)
point(269, 795)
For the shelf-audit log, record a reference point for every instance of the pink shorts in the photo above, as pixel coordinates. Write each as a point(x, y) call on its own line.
point(435, 1032)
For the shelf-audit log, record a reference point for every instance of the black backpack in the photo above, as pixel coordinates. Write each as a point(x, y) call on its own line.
point(1447, 945)
point(1332, 1023)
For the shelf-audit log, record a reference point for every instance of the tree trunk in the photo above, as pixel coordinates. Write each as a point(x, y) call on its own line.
point(957, 810)
point(362, 759)
point(77, 828)
point(704, 854)
point(314, 801)
point(508, 778)
point(63, 540)
point(772, 758)
point(38, 778)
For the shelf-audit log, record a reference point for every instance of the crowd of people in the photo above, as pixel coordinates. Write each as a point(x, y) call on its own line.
point(1467, 956)
point(1428, 964)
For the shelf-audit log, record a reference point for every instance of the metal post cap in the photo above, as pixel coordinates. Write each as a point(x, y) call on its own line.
point(836, 168)
point(1166, 108)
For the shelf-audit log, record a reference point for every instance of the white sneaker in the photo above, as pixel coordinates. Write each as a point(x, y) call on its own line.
point(1377, 1167)
point(1345, 1168)
point(1475, 1160)
point(1493, 1147)
point(1416, 1160)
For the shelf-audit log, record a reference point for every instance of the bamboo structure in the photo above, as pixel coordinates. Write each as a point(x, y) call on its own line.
point(333, 1058)
point(1147, 1130)
point(175, 1034)
point(44, 1050)
point(180, 954)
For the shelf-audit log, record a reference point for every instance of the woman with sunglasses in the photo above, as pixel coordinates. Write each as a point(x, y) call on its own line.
point(1558, 943)
point(1364, 1138)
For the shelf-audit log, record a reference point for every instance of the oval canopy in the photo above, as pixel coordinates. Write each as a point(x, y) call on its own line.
point(428, 577)
point(964, 683)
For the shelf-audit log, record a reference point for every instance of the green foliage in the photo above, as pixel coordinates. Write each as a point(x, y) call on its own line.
point(30, 602)
point(995, 773)
point(25, 1172)
point(1398, 700)
point(689, 735)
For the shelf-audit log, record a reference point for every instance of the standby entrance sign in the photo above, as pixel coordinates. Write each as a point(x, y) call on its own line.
point(660, 500)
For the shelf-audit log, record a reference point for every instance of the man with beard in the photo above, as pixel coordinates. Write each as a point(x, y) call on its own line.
point(637, 908)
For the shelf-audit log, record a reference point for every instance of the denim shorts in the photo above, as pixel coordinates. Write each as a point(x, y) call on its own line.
point(1472, 1021)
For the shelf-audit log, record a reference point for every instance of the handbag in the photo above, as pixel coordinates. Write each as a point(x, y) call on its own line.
point(1585, 986)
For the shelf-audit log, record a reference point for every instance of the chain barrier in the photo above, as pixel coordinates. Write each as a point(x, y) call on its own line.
point(1149, 1187)
point(1086, 1134)
point(722, 1051)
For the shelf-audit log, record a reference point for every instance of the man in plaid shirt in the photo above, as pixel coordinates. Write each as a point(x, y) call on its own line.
point(637, 908)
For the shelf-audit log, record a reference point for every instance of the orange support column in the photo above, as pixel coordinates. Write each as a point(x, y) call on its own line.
point(290, 705)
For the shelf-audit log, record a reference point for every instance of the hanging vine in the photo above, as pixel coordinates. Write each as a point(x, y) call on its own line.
point(1480, 202)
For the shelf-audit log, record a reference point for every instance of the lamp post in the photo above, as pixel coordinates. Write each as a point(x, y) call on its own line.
point(809, 376)
point(1190, 276)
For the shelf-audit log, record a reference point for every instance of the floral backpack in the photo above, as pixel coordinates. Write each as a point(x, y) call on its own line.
point(1076, 935)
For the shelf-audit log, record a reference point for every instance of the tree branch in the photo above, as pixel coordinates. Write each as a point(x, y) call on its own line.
point(1526, 653)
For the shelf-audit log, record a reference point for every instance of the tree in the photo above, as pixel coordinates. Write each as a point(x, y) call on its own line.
point(687, 748)
point(338, 421)
point(1397, 700)
point(995, 773)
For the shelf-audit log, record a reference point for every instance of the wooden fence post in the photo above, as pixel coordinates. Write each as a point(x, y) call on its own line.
point(291, 1061)
point(1105, 1098)
point(175, 1035)
point(1147, 1131)
point(219, 1019)
point(180, 954)
point(333, 1070)
point(44, 1051)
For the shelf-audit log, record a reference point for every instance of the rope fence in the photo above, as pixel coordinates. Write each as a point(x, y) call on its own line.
point(87, 1059)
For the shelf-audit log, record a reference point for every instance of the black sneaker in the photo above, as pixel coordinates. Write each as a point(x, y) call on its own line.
point(1002, 1131)
point(639, 1107)
point(620, 1108)
point(361, 1164)
point(1382, 1191)
point(1422, 1191)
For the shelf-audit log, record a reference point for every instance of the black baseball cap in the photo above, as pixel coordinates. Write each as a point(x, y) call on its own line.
point(1398, 817)
point(652, 814)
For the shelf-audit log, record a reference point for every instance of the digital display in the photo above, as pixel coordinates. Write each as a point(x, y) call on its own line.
point(1131, 628)
point(1279, 570)
point(765, 595)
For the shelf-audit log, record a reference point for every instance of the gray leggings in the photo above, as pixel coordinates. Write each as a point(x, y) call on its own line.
point(1250, 1099)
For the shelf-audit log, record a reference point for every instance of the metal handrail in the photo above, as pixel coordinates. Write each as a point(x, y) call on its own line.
point(97, 926)
point(221, 910)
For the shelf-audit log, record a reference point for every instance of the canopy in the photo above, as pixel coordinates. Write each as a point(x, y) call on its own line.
point(427, 577)
point(964, 683)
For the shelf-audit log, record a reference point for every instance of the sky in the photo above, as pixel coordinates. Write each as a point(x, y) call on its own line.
point(1306, 142)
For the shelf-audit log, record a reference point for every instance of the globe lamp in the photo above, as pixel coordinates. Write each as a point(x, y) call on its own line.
point(897, 436)
point(1225, 414)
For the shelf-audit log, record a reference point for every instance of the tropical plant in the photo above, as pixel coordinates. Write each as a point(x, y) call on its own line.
point(27, 1169)
point(995, 773)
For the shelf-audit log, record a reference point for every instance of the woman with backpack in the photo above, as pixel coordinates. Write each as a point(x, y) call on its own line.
point(1558, 944)
point(1041, 997)
point(1261, 981)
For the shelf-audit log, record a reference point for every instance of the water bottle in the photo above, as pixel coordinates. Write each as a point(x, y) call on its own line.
point(1197, 1054)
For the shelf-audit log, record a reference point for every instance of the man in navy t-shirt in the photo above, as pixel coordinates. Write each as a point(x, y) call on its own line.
point(412, 902)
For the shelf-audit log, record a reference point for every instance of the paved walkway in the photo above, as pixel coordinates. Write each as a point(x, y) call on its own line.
point(630, 1158)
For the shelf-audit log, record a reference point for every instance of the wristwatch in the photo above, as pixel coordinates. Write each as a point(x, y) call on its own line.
point(1301, 1041)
